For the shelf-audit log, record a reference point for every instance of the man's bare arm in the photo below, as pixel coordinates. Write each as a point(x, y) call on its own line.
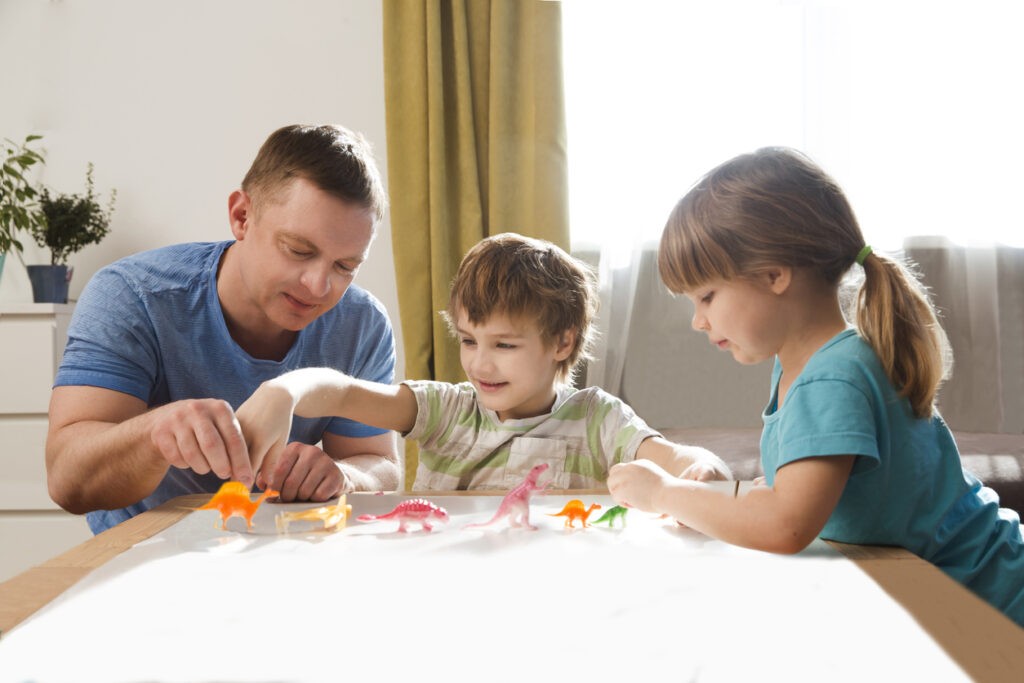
point(105, 450)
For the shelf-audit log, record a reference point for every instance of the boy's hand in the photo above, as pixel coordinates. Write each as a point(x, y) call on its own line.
point(266, 422)
point(637, 484)
point(708, 467)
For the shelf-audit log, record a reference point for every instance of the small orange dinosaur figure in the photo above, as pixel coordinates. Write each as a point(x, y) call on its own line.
point(232, 500)
point(574, 510)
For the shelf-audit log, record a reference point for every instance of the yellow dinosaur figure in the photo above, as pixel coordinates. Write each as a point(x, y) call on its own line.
point(574, 510)
point(232, 500)
point(333, 516)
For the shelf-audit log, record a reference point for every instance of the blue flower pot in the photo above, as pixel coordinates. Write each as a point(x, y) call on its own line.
point(49, 283)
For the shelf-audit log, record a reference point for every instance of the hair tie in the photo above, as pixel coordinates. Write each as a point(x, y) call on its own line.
point(862, 255)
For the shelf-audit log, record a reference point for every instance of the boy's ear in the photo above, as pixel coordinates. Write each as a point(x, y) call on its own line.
point(779, 278)
point(564, 345)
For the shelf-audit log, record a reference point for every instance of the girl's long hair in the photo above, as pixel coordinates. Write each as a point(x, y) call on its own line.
point(776, 207)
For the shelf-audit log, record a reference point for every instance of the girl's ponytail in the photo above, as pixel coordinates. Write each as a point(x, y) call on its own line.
point(895, 317)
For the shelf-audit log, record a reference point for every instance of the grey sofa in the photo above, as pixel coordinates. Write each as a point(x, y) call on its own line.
point(996, 459)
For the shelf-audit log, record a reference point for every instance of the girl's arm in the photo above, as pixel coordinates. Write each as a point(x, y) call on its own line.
point(783, 518)
point(686, 462)
point(266, 416)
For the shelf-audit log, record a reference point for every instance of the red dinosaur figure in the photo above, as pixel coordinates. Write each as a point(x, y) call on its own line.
point(516, 503)
point(417, 510)
point(574, 510)
point(232, 500)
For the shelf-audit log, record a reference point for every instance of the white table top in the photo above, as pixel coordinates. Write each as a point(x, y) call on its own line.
point(649, 602)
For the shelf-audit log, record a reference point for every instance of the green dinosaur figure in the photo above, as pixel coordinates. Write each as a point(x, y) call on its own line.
point(613, 513)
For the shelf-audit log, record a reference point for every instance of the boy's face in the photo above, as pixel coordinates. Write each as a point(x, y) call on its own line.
point(300, 252)
point(508, 363)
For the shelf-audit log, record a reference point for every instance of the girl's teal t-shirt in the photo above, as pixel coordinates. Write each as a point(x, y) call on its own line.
point(908, 487)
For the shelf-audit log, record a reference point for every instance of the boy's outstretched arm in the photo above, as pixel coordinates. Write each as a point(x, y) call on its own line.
point(266, 416)
point(686, 462)
point(783, 518)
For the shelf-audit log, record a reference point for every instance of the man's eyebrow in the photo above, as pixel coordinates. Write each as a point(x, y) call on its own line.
point(357, 260)
point(298, 238)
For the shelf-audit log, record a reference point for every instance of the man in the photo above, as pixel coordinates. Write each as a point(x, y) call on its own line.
point(165, 344)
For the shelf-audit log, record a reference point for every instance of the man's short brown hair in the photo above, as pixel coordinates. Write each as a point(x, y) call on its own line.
point(531, 279)
point(335, 159)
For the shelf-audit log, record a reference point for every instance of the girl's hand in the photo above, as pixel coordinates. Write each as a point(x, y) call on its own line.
point(637, 484)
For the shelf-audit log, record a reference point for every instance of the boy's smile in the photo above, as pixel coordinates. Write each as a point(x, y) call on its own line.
point(513, 371)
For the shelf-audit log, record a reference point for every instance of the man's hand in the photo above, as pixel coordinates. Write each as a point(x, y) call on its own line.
point(303, 472)
point(202, 435)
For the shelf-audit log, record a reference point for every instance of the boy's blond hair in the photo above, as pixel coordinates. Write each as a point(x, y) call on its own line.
point(531, 279)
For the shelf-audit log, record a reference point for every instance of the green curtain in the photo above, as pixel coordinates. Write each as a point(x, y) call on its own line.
point(476, 146)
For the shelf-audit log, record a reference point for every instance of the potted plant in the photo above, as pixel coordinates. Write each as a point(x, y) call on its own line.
point(73, 221)
point(19, 207)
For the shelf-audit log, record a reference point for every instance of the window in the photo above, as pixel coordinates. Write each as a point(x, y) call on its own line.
point(913, 107)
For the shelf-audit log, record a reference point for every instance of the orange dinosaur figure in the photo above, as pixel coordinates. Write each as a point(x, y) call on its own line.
point(574, 510)
point(232, 500)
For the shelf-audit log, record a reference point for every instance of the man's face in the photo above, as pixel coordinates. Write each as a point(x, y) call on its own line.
point(300, 251)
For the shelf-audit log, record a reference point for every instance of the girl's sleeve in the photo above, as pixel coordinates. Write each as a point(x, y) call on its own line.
point(828, 417)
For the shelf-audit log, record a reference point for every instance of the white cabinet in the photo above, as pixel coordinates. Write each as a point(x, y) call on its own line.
point(32, 527)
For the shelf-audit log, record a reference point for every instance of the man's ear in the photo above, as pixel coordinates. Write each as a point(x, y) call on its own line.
point(239, 213)
point(779, 278)
point(565, 344)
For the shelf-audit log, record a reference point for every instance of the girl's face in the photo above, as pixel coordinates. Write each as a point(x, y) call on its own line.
point(740, 316)
point(513, 370)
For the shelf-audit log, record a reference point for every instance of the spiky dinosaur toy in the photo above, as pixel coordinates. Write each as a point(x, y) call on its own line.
point(232, 500)
point(612, 514)
point(417, 510)
point(516, 503)
point(574, 510)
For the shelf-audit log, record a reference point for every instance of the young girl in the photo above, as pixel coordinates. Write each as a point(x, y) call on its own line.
point(853, 449)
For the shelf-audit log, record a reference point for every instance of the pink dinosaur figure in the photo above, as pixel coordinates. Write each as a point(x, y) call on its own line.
point(516, 503)
point(417, 510)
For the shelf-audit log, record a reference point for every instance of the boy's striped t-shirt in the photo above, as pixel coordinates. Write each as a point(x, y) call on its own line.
point(464, 446)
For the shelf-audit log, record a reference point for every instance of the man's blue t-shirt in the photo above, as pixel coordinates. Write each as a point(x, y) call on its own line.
point(908, 487)
point(151, 325)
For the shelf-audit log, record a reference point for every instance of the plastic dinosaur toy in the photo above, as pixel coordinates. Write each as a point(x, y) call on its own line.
point(516, 503)
point(574, 510)
point(334, 517)
point(611, 514)
point(232, 500)
point(418, 510)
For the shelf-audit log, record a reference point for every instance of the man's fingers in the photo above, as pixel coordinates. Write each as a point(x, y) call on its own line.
point(235, 451)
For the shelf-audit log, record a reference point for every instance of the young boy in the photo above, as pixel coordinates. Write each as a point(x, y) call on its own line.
point(522, 311)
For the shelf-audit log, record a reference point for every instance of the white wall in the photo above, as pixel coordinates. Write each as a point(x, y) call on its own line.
point(171, 100)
